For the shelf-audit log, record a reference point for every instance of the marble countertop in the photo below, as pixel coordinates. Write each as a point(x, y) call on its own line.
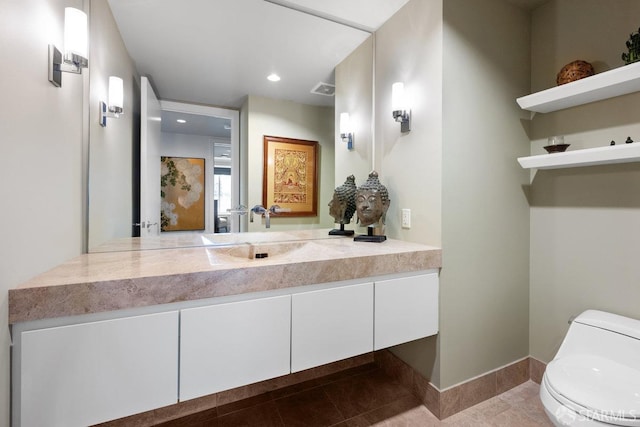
point(141, 272)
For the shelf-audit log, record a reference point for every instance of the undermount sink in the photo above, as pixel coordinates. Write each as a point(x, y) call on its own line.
point(257, 251)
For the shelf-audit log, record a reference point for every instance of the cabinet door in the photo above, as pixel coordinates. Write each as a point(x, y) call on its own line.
point(330, 325)
point(85, 374)
point(230, 345)
point(406, 309)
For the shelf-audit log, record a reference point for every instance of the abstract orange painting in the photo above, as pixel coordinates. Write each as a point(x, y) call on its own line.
point(182, 194)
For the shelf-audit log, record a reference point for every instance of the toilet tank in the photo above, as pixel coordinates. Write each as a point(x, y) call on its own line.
point(606, 335)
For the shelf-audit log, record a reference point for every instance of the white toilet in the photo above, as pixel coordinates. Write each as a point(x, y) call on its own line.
point(594, 379)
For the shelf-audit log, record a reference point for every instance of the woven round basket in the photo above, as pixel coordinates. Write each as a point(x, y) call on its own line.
point(573, 71)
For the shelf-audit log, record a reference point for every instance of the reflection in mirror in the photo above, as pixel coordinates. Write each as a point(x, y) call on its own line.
point(189, 131)
point(187, 135)
point(206, 68)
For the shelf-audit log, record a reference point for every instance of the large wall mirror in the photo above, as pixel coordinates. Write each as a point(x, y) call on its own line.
point(199, 54)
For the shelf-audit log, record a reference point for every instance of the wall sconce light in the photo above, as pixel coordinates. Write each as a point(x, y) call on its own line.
point(345, 130)
point(116, 101)
point(75, 47)
point(401, 113)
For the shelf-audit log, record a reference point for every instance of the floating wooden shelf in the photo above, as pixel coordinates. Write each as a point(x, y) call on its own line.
point(588, 157)
point(608, 84)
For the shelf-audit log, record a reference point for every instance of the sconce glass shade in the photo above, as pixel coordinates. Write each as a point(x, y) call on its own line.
point(116, 95)
point(400, 110)
point(345, 130)
point(116, 101)
point(397, 97)
point(76, 47)
point(75, 32)
point(345, 126)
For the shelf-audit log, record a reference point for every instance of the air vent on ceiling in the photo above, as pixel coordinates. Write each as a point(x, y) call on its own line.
point(326, 89)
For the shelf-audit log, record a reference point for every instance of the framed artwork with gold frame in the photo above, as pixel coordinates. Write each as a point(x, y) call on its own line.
point(290, 177)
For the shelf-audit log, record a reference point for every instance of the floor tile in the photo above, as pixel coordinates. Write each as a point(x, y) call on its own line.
point(511, 418)
point(203, 418)
point(296, 388)
point(263, 415)
point(462, 419)
point(518, 407)
point(311, 408)
point(364, 393)
point(487, 409)
point(407, 411)
point(534, 409)
point(359, 421)
point(243, 404)
point(520, 393)
point(362, 398)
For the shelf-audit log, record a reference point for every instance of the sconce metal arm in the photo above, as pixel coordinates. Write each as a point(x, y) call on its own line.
point(404, 118)
point(71, 63)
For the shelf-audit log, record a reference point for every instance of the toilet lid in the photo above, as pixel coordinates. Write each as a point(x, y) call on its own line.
point(605, 388)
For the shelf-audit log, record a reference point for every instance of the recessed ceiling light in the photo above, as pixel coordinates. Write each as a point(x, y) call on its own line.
point(273, 77)
point(181, 121)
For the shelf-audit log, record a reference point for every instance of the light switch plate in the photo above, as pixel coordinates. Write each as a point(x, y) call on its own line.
point(406, 218)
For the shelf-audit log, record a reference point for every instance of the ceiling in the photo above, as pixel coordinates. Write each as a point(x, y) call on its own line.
point(216, 52)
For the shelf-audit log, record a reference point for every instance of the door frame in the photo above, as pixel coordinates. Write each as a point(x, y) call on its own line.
point(234, 117)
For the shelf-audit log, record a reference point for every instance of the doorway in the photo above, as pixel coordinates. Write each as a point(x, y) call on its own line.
point(212, 133)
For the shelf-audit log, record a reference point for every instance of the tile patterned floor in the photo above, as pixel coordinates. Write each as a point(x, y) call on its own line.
point(365, 397)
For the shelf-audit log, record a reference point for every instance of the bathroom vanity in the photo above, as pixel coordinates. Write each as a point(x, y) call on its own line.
point(111, 334)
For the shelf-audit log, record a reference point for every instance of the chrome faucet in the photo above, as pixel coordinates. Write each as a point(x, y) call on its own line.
point(259, 209)
point(273, 210)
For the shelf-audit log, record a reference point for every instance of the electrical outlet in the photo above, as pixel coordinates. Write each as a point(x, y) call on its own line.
point(406, 218)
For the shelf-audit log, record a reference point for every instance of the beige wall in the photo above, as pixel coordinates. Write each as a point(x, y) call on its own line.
point(484, 280)
point(354, 95)
point(585, 222)
point(110, 183)
point(288, 119)
point(409, 49)
point(42, 150)
point(464, 64)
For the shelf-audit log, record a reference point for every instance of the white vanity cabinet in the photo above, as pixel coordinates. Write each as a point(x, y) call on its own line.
point(83, 374)
point(406, 309)
point(229, 345)
point(331, 324)
point(83, 370)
